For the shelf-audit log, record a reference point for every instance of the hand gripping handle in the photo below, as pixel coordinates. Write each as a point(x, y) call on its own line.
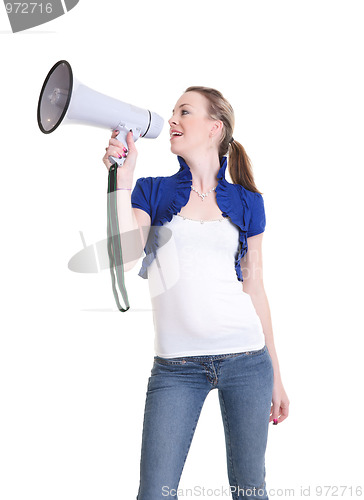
point(124, 129)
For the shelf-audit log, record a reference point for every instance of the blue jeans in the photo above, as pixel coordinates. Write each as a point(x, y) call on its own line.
point(177, 389)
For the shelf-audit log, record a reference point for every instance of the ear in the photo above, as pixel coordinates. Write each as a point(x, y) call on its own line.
point(216, 128)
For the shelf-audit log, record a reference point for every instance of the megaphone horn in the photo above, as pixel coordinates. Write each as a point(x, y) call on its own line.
point(63, 99)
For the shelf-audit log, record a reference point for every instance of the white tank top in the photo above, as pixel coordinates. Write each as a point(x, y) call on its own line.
point(199, 306)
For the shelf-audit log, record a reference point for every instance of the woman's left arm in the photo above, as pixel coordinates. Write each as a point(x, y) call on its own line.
point(252, 269)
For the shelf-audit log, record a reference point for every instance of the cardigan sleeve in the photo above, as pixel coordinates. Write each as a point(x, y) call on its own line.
point(257, 218)
point(140, 196)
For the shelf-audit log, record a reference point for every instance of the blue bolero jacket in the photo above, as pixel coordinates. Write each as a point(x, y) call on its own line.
point(163, 197)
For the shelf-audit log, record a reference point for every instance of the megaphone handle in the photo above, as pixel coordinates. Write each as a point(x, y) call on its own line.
point(124, 130)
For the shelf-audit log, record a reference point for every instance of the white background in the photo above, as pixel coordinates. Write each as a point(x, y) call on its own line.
point(73, 368)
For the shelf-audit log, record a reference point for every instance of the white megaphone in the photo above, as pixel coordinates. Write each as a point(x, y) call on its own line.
point(65, 99)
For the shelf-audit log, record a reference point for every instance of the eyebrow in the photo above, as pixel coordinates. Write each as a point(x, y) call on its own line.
point(181, 105)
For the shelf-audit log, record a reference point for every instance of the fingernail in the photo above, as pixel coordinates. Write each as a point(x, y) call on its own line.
point(119, 155)
point(131, 131)
point(275, 421)
point(125, 150)
point(124, 155)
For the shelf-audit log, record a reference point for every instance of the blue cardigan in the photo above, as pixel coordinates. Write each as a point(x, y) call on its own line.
point(163, 197)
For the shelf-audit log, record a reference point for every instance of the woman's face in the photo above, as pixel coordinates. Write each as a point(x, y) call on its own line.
point(191, 128)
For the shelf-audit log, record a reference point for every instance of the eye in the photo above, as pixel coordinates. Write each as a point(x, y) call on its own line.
point(184, 112)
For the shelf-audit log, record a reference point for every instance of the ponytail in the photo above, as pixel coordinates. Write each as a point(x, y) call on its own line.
point(240, 168)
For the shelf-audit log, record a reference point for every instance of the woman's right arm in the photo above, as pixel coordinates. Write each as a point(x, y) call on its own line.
point(134, 221)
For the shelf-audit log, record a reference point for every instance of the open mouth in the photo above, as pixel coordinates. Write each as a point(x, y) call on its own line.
point(175, 134)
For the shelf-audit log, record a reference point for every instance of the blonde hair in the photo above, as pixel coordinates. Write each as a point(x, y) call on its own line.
point(240, 168)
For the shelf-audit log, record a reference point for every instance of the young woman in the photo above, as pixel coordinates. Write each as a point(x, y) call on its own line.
point(211, 315)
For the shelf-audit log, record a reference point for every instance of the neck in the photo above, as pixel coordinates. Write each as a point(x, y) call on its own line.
point(204, 169)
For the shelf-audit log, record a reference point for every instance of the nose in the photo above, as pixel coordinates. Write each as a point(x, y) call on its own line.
point(172, 120)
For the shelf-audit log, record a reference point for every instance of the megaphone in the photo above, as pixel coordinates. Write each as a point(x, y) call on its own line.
point(64, 99)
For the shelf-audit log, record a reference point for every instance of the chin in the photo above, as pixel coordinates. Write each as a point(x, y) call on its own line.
point(176, 150)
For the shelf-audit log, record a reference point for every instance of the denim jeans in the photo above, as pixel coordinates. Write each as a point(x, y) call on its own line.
point(177, 389)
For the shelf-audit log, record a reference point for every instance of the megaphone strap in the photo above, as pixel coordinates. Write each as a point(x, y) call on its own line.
point(114, 243)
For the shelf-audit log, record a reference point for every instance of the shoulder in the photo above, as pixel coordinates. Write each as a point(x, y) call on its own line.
point(251, 200)
point(150, 182)
point(251, 196)
point(152, 193)
point(154, 186)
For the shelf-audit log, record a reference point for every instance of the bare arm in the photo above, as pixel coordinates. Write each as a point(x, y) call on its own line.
point(134, 224)
point(252, 269)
